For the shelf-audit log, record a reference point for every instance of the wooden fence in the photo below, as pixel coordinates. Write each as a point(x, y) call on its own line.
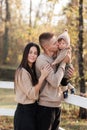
point(7, 111)
point(72, 99)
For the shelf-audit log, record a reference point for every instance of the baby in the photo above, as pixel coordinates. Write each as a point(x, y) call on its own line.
point(63, 49)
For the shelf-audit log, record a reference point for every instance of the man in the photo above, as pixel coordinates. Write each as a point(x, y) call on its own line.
point(49, 104)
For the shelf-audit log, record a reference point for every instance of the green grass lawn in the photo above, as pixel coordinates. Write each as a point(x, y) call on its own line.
point(69, 118)
point(7, 98)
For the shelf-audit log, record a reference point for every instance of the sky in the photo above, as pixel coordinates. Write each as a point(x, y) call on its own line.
point(35, 3)
point(58, 7)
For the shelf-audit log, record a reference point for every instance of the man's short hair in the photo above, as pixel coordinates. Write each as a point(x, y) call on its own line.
point(45, 37)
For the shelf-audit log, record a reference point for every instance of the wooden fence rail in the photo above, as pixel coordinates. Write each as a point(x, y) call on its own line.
point(7, 111)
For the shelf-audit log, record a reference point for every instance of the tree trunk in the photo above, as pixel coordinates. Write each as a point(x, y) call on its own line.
point(30, 10)
point(5, 45)
point(82, 111)
point(5, 36)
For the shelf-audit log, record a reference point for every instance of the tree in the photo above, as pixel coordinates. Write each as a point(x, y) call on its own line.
point(74, 14)
point(82, 112)
point(30, 10)
point(5, 36)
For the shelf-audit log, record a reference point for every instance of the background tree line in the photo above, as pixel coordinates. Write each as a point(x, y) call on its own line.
point(16, 32)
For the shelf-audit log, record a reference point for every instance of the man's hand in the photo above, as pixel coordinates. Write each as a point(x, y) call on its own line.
point(69, 72)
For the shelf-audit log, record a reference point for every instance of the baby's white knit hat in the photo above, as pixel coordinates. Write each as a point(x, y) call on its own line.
point(65, 36)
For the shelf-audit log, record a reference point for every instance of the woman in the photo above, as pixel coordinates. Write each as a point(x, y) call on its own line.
point(27, 88)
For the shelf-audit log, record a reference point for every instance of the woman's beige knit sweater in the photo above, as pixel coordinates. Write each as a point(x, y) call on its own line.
point(25, 91)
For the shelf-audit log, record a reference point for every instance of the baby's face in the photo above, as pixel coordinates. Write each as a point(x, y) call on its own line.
point(62, 44)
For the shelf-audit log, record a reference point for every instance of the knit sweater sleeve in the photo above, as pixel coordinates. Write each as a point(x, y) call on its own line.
point(60, 56)
point(24, 85)
point(54, 78)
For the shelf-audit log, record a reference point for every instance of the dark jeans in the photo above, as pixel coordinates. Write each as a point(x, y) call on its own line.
point(48, 118)
point(25, 117)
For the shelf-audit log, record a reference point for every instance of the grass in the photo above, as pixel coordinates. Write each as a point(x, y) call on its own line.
point(71, 121)
point(7, 98)
point(68, 122)
point(69, 117)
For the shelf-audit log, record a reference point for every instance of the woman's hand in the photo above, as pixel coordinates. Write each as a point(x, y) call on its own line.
point(44, 73)
point(45, 70)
